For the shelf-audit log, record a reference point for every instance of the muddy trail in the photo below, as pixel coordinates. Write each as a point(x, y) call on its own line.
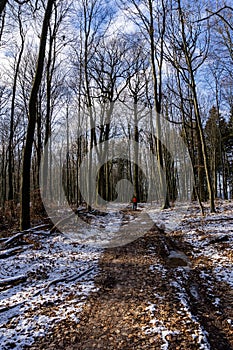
point(151, 294)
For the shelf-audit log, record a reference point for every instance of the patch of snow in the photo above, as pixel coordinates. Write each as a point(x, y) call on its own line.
point(151, 308)
point(32, 307)
point(201, 334)
point(216, 301)
point(157, 327)
point(224, 274)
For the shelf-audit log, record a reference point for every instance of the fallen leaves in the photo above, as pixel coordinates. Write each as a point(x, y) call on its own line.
point(146, 297)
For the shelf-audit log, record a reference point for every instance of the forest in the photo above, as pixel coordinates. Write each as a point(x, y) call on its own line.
point(102, 102)
point(79, 77)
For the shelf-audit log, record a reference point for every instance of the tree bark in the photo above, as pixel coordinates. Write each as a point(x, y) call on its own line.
point(196, 107)
point(157, 80)
point(2, 5)
point(10, 147)
point(27, 153)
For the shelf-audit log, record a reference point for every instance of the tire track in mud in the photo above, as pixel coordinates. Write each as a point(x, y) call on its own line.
point(198, 295)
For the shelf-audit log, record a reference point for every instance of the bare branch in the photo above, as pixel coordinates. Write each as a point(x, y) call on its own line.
point(217, 13)
point(22, 2)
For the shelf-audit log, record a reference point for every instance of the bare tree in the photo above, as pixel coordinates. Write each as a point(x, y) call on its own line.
point(55, 46)
point(3, 4)
point(12, 116)
point(25, 189)
point(191, 46)
point(151, 17)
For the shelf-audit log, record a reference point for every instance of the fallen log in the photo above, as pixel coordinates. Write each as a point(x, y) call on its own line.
point(74, 278)
point(35, 230)
point(12, 280)
point(67, 279)
point(13, 251)
point(14, 238)
point(63, 279)
point(220, 239)
point(32, 229)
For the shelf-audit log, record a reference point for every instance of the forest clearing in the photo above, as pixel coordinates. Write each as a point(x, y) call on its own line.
point(169, 289)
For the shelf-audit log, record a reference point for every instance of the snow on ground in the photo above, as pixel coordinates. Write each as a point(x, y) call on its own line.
point(30, 309)
point(211, 238)
point(203, 233)
point(211, 242)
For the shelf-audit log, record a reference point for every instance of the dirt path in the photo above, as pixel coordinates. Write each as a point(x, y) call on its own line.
point(151, 296)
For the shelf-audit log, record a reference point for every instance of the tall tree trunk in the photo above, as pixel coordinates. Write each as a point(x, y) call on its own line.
point(27, 153)
point(157, 80)
point(10, 147)
point(204, 153)
point(68, 160)
point(136, 141)
point(196, 107)
point(191, 144)
point(200, 167)
point(49, 75)
point(2, 5)
point(2, 19)
point(3, 176)
point(90, 111)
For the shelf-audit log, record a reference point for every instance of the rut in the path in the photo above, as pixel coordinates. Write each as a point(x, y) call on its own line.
point(213, 319)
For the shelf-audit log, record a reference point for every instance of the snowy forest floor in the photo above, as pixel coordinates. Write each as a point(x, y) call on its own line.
point(171, 288)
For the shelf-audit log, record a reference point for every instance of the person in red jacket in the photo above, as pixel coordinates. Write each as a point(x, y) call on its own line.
point(135, 202)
